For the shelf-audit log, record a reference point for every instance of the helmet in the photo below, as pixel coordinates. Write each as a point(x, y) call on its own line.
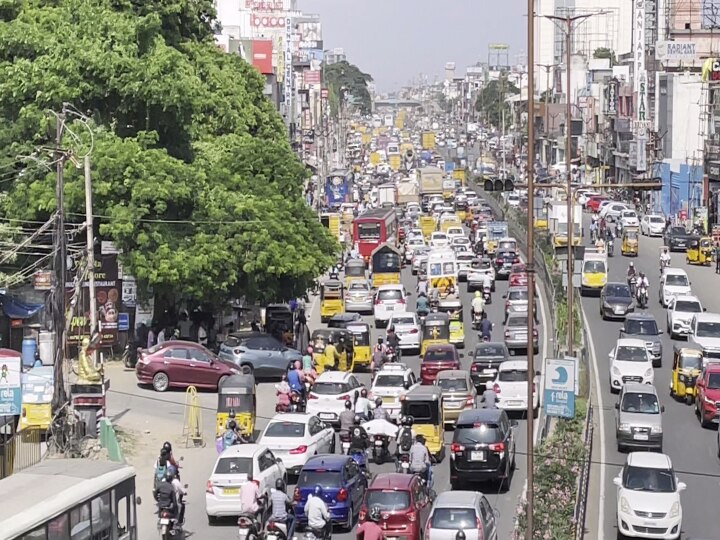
point(331, 339)
point(378, 402)
point(279, 484)
point(348, 404)
point(642, 274)
point(232, 425)
point(169, 475)
point(380, 340)
point(374, 514)
point(363, 392)
point(477, 294)
point(317, 490)
point(632, 264)
point(357, 419)
point(167, 446)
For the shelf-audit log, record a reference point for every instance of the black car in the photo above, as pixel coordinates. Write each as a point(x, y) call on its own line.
point(616, 301)
point(483, 448)
point(677, 238)
point(487, 356)
point(503, 262)
point(341, 320)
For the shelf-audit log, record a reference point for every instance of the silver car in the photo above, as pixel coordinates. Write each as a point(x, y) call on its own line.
point(516, 333)
point(638, 419)
point(467, 511)
point(359, 297)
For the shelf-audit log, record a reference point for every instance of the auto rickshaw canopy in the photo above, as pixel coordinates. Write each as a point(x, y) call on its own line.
point(437, 319)
point(385, 259)
point(237, 394)
point(355, 268)
point(360, 333)
point(630, 234)
point(706, 242)
point(687, 357)
point(332, 288)
point(453, 308)
point(424, 404)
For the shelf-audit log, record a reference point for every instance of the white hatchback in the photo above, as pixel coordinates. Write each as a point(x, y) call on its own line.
point(652, 225)
point(511, 386)
point(630, 361)
point(329, 393)
point(239, 464)
point(394, 380)
point(295, 437)
point(439, 239)
point(389, 299)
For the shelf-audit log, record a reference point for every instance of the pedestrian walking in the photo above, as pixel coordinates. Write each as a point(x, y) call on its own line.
point(717, 257)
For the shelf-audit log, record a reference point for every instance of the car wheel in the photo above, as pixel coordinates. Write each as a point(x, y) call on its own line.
point(351, 519)
point(332, 444)
point(212, 520)
point(161, 382)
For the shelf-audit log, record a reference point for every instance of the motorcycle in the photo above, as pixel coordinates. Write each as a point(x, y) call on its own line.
point(277, 531)
point(391, 354)
point(345, 439)
point(166, 524)
point(487, 294)
point(477, 318)
point(610, 246)
point(361, 460)
point(316, 534)
point(130, 356)
point(380, 448)
point(664, 263)
point(642, 297)
point(249, 527)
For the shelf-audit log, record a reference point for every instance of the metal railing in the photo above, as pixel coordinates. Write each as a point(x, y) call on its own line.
point(19, 450)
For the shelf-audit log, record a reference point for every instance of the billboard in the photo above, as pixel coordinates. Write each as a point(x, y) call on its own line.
point(268, 21)
point(10, 394)
point(263, 5)
point(676, 51)
point(262, 50)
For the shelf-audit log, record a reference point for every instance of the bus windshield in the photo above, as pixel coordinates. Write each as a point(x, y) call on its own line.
point(368, 231)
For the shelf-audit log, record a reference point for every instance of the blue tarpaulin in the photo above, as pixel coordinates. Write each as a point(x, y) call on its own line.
point(17, 309)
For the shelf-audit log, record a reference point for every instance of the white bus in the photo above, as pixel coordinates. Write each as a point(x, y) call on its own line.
point(68, 499)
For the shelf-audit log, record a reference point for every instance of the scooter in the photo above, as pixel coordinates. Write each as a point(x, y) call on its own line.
point(380, 448)
point(610, 246)
point(249, 527)
point(642, 297)
point(345, 439)
point(278, 531)
point(477, 318)
point(167, 525)
point(361, 460)
point(487, 294)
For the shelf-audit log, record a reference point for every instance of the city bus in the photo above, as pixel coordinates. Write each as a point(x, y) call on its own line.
point(375, 228)
point(69, 498)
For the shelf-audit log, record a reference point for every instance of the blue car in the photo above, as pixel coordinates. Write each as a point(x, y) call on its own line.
point(343, 484)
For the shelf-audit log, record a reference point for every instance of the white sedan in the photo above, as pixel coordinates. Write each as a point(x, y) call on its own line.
point(328, 395)
point(652, 225)
point(613, 210)
point(411, 245)
point(439, 239)
point(295, 437)
point(407, 328)
point(629, 218)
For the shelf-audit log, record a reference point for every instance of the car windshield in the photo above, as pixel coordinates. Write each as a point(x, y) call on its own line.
point(477, 433)
point(677, 230)
point(594, 267)
point(390, 294)
point(714, 381)
point(439, 355)
point(330, 388)
point(630, 214)
point(657, 219)
point(628, 353)
point(388, 499)
point(645, 479)
point(617, 291)
point(708, 329)
point(408, 319)
point(454, 519)
point(489, 350)
point(285, 429)
point(234, 465)
point(637, 402)
point(688, 306)
point(513, 375)
point(517, 322)
point(641, 327)
point(322, 478)
point(389, 380)
point(453, 385)
point(676, 280)
point(359, 287)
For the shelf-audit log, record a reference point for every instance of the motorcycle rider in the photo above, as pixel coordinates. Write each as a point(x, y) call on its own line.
point(631, 272)
point(393, 342)
point(230, 436)
point(643, 282)
point(280, 506)
point(420, 458)
point(380, 413)
point(250, 499)
point(317, 513)
point(379, 355)
point(664, 258)
point(166, 497)
point(423, 305)
point(359, 441)
point(295, 378)
point(363, 405)
point(347, 418)
point(422, 287)
point(485, 327)
point(370, 529)
point(478, 305)
point(490, 399)
point(180, 494)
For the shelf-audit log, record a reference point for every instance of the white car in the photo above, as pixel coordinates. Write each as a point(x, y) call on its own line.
point(416, 233)
point(328, 395)
point(295, 437)
point(419, 255)
point(613, 210)
point(411, 244)
point(439, 239)
point(652, 225)
point(359, 297)
point(464, 262)
point(680, 313)
point(629, 218)
point(389, 299)
point(471, 196)
point(674, 282)
point(648, 497)
point(513, 199)
point(455, 232)
point(393, 381)
point(630, 361)
point(461, 241)
point(705, 333)
point(239, 464)
point(511, 386)
point(407, 328)
point(476, 274)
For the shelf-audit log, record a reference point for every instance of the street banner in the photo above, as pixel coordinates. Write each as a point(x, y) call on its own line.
point(560, 376)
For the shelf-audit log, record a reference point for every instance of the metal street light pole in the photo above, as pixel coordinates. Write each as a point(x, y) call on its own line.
point(547, 68)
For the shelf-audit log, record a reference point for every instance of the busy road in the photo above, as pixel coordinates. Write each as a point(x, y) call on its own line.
point(692, 449)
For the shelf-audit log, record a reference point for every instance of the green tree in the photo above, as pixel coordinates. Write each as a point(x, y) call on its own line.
point(346, 77)
point(604, 52)
point(194, 178)
point(491, 101)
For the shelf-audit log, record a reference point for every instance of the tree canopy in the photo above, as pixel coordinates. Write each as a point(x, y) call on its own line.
point(344, 76)
point(604, 52)
point(491, 100)
point(194, 178)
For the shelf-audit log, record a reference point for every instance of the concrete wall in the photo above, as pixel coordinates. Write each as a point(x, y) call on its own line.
point(681, 183)
point(678, 115)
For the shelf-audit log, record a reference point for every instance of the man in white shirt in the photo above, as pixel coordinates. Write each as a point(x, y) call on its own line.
point(317, 512)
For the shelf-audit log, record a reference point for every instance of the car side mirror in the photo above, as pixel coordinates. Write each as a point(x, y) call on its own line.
point(662, 408)
point(617, 481)
point(504, 295)
point(682, 486)
point(610, 355)
point(704, 309)
point(617, 406)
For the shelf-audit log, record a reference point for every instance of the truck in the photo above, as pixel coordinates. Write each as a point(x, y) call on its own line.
point(496, 231)
point(387, 194)
point(558, 223)
point(430, 180)
point(408, 191)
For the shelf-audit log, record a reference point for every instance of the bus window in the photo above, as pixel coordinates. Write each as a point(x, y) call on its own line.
point(101, 516)
point(37, 534)
point(59, 528)
point(368, 231)
point(80, 522)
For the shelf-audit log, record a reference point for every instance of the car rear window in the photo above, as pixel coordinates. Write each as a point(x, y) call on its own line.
point(646, 327)
point(453, 385)
point(439, 355)
point(517, 321)
point(513, 375)
point(285, 429)
point(489, 350)
point(389, 380)
point(330, 388)
point(479, 433)
point(392, 294)
point(518, 295)
point(234, 465)
point(356, 286)
point(454, 518)
point(388, 500)
point(403, 320)
point(322, 478)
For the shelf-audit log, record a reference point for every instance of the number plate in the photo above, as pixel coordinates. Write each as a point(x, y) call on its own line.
point(164, 521)
point(378, 443)
point(390, 308)
point(405, 465)
point(489, 370)
point(327, 416)
point(231, 491)
point(477, 455)
point(388, 399)
point(640, 437)
point(514, 403)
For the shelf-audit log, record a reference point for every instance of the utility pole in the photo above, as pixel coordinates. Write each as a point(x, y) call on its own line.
point(90, 235)
point(547, 68)
point(531, 265)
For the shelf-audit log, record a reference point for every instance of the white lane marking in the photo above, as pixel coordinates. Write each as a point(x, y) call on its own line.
point(601, 408)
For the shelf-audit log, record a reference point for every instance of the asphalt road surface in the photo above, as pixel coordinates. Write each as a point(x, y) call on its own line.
point(692, 449)
point(166, 411)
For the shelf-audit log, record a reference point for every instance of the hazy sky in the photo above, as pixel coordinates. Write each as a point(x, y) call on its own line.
point(395, 40)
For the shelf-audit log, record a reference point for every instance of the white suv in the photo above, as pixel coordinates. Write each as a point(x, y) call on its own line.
point(705, 333)
point(389, 299)
point(630, 361)
point(674, 282)
point(680, 313)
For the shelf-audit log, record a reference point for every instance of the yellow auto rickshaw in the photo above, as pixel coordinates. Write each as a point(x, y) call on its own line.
point(236, 399)
point(362, 351)
point(461, 209)
point(686, 367)
point(436, 330)
point(342, 339)
point(630, 241)
point(427, 225)
point(355, 270)
point(453, 308)
point(332, 299)
point(424, 404)
point(700, 251)
point(386, 261)
point(278, 322)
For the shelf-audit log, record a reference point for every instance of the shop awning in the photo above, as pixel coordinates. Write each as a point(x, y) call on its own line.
point(17, 309)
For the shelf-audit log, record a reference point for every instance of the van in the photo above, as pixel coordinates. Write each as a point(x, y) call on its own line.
point(594, 272)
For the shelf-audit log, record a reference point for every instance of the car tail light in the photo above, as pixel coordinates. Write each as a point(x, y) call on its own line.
point(456, 447)
point(496, 388)
point(414, 331)
point(342, 495)
point(497, 447)
point(402, 301)
point(470, 400)
point(209, 487)
point(507, 305)
point(474, 367)
point(296, 494)
point(299, 450)
point(412, 516)
point(312, 396)
point(346, 397)
point(498, 260)
point(535, 332)
point(378, 302)
point(517, 260)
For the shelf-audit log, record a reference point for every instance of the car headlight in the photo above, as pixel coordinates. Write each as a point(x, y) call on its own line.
point(656, 429)
point(616, 371)
point(649, 372)
point(675, 509)
point(607, 305)
point(681, 377)
point(624, 506)
point(624, 427)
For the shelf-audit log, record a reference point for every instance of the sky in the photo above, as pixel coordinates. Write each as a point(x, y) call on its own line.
point(396, 40)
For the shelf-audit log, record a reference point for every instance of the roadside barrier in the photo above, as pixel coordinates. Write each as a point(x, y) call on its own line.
point(192, 423)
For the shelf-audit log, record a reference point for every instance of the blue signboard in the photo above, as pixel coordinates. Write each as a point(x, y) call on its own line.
point(337, 190)
point(449, 166)
point(560, 387)
point(123, 322)
point(10, 393)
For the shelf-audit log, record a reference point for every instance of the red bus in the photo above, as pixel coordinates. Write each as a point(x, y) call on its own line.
point(374, 228)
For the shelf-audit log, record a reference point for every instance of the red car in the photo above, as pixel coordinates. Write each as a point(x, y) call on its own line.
point(594, 202)
point(518, 275)
point(404, 504)
point(181, 364)
point(708, 395)
point(438, 357)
